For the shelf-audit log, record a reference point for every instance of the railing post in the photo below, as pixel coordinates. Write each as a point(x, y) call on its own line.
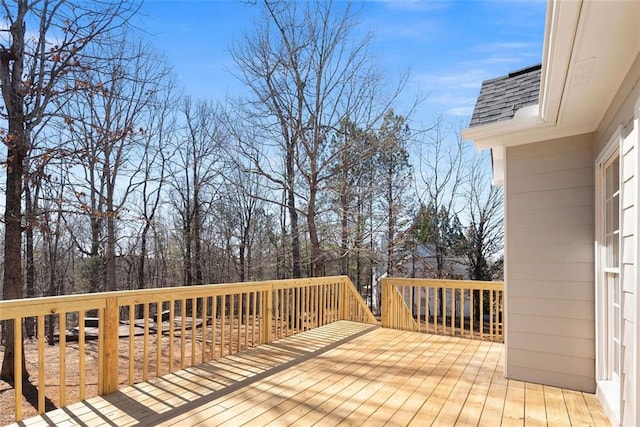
point(384, 301)
point(109, 341)
point(344, 301)
point(267, 315)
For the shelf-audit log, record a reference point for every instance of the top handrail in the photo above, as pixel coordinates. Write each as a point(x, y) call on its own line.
point(47, 305)
point(446, 283)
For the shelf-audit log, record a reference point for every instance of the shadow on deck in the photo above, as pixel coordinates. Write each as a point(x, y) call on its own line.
point(342, 373)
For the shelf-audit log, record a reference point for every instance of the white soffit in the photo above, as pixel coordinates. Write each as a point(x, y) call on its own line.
point(606, 46)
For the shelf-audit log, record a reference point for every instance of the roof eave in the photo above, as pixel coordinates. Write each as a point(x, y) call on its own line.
point(497, 134)
point(561, 27)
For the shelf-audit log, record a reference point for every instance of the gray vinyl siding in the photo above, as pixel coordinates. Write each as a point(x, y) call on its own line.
point(549, 218)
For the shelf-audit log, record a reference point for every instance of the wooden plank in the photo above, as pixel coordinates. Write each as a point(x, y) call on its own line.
point(472, 362)
point(534, 407)
point(513, 414)
point(335, 375)
point(579, 413)
point(289, 390)
point(327, 405)
point(475, 402)
point(414, 390)
point(555, 407)
point(451, 371)
point(367, 400)
point(232, 407)
point(597, 413)
point(494, 405)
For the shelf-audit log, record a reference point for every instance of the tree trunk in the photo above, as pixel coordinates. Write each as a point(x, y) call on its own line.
point(391, 224)
point(30, 324)
point(314, 253)
point(344, 226)
point(197, 237)
point(141, 266)
point(111, 254)
point(17, 148)
point(17, 142)
point(293, 215)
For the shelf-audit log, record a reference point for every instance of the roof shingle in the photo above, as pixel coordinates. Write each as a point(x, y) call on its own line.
point(501, 97)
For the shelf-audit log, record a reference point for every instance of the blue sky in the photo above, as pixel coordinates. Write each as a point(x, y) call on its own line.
point(449, 47)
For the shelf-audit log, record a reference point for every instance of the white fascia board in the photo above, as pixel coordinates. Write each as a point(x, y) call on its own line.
point(560, 34)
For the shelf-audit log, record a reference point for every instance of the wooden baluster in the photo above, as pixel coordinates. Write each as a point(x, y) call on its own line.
point(253, 314)
point(482, 314)
point(462, 330)
point(203, 330)
point(158, 339)
point(131, 342)
point(223, 324)
point(183, 332)
point(268, 310)
point(239, 315)
point(62, 357)
point(145, 346)
point(472, 313)
point(298, 310)
point(232, 302)
point(452, 298)
point(17, 365)
point(214, 325)
point(41, 372)
point(81, 355)
point(194, 318)
point(172, 318)
point(246, 298)
point(492, 314)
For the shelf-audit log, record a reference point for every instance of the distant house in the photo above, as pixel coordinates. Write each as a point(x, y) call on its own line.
point(422, 262)
point(565, 141)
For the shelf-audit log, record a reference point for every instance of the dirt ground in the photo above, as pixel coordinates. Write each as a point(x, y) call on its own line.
point(72, 389)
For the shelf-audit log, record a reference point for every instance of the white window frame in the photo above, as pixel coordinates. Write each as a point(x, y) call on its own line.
point(608, 388)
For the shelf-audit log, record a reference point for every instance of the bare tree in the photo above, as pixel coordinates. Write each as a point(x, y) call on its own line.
point(194, 175)
point(395, 175)
point(108, 128)
point(34, 76)
point(308, 74)
point(443, 175)
point(485, 232)
point(160, 131)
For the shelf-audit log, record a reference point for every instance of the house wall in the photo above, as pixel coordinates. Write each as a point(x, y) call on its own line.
point(628, 273)
point(549, 264)
point(620, 126)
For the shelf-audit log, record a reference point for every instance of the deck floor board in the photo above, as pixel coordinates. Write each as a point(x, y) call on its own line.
point(344, 373)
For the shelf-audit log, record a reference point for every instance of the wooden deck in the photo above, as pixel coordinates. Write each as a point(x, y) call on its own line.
point(344, 373)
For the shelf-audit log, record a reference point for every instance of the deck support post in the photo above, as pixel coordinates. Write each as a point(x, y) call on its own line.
point(110, 342)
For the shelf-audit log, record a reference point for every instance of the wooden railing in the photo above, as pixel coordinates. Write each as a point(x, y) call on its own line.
point(462, 308)
point(110, 339)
